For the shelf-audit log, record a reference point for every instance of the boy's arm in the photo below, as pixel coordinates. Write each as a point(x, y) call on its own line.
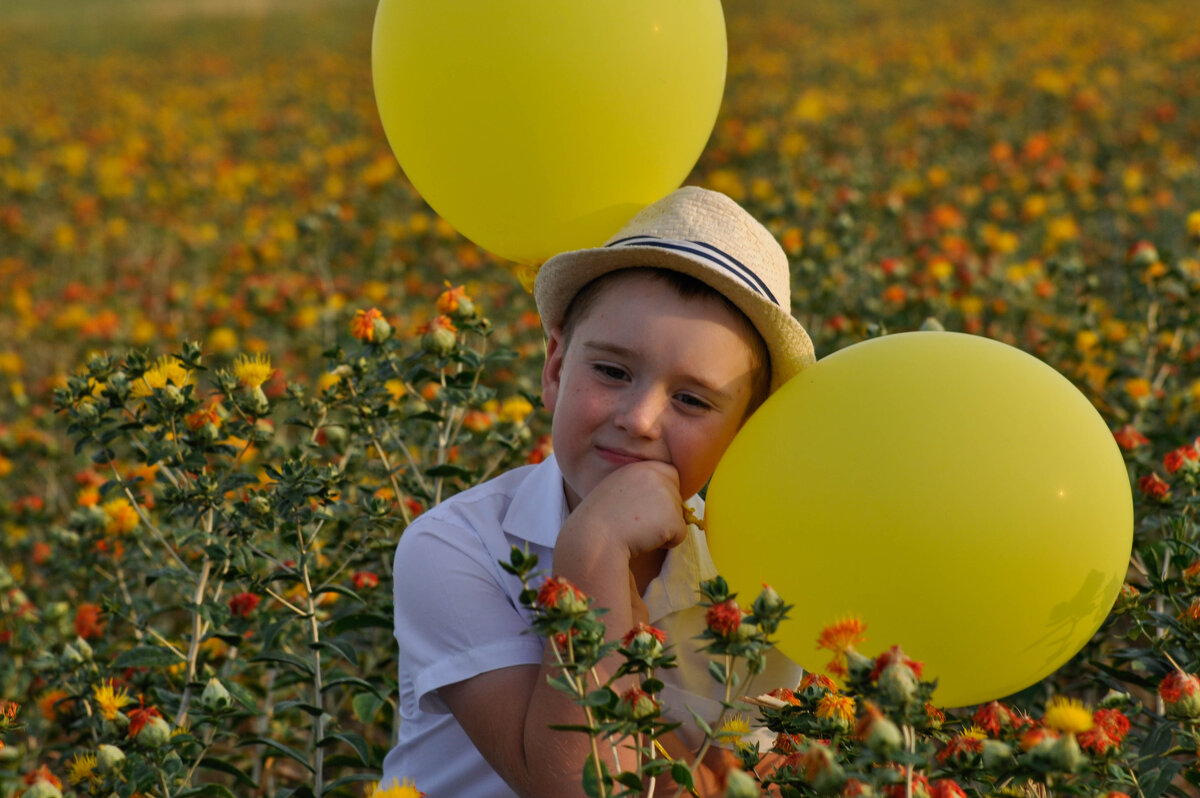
point(507, 712)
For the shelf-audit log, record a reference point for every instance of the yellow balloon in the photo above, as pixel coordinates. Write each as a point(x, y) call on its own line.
point(958, 495)
point(540, 126)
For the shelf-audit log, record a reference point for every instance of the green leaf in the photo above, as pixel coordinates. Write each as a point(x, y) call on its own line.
point(682, 775)
point(363, 683)
point(218, 790)
point(224, 767)
point(345, 650)
point(339, 589)
point(354, 741)
point(286, 750)
point(1157, 742)
point(359, 620)
point(147, 657)
point(286, 659)
point(592, 783)
point(243, 696)
point(448, 470)
point(284, 706)
point(718, 671)
point(631, 780)
point(701, 723)
point(366, 707)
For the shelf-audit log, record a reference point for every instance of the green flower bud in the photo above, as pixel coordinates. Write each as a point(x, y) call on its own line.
point(83, 648)
point(215, 697)
point(740, 784)
point(256, 402)
point(42, 789)
point(899, 683)
point(109, 758)
point(995, 754)
point(87, 412)
point(70, 656)
point(173, 397)
point(883, 737)
point(380, 330)
point(439, 341)
point(260, 505)
point(154, 734)
point(1065, 753)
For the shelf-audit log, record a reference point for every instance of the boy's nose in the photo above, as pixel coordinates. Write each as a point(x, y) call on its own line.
point(641, 415)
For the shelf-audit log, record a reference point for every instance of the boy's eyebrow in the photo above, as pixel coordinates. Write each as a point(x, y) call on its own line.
point(606, 347)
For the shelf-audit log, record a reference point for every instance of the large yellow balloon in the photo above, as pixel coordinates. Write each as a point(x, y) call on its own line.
point(958, 495)
point(537, 126)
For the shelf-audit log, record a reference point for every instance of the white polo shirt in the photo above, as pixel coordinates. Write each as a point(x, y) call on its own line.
point(457, 615)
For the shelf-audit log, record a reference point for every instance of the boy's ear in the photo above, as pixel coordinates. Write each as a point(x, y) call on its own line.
point(552, 370)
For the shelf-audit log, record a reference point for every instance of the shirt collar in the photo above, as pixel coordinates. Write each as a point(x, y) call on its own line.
point(539, 506)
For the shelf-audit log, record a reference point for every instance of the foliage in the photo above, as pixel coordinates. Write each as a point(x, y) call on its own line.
point(1023, 171)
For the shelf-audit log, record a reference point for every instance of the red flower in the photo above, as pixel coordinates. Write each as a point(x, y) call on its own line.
point(87, 622)
point(558, 593)
point(724, 618)
point(362, 579)
point(1179, 458)
point(788, 696)
point(920, 787)
point(1154, 486)
point(1114, 723)
point(946, 788)
point(993, 718)
point(893, 656)
point(816, 679)
point(637, 704)
point(42, 774)
point(1095, 741)
point(643, 629)
point(243, 604)
point(935, 715)
point(1129, 438)
point(961, 748)
point(140, 717)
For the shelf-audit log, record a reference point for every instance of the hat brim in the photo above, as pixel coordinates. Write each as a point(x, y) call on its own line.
point(562, 277)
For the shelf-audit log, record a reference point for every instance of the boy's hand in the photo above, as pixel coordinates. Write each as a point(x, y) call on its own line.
point(636, 507)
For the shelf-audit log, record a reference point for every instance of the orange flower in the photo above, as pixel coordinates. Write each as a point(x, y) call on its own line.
point(558, 593)
point(819, 680)
point(1128, 437)
point(724, 618)
point(140, 717)
point(837, 708)
point(842, 636)
point(242, 604)
point(1154, 486)
point(52, 702)
point(42, 774)
point(362, 326)
point(450, 299)
point(87, 621)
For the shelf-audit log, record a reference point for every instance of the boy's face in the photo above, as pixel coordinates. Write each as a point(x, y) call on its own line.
point(648, 375)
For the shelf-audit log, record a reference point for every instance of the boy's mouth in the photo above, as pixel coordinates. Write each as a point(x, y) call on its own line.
point(619, 456)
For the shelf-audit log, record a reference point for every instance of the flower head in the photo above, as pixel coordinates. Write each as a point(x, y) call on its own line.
point(140, 716)
point(963, 747)
point(1067, 716)
point(842, 636)
point(87, 621)
point(109, 699)
point(723, 619)
point(837, 708)
point(165, 371)
point(83, 768)
point(362, 326)
point(1180, 693)
point(242, 604)
point(1129, 438)
point(121, 516)
point(558, 593)
point(818, 680)
point(1154, 486)
point(253, 370)
point(405, 789)
point(733, 730)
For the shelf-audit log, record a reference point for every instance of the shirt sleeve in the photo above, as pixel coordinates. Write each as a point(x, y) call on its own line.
point(456, 613)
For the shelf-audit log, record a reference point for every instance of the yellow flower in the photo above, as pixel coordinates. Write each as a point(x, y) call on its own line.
point(254, 370)
point(838, 708)
point(396, 389)
point(1067, 716)
point(109, 699)
point(83, 766)
point(122, 517)
point(1137, 388)
point(398, 790)
point(515, 409)
point(223, 339)
point(733, 730)
point(165, 370)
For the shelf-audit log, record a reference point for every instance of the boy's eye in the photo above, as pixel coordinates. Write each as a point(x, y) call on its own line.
point(693, 402)
point(610, 371)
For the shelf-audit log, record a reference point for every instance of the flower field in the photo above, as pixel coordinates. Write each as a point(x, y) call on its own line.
point(238, 354)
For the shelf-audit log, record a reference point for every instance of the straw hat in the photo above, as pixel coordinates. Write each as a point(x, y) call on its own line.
point(708, 236)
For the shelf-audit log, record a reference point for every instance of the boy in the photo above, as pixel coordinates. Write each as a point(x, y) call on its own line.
point(659, 346)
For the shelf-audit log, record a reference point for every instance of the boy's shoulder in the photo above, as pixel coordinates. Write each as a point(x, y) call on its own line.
point(526, 501)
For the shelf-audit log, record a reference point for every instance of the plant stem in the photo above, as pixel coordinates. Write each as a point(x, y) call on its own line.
point(318, 697)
